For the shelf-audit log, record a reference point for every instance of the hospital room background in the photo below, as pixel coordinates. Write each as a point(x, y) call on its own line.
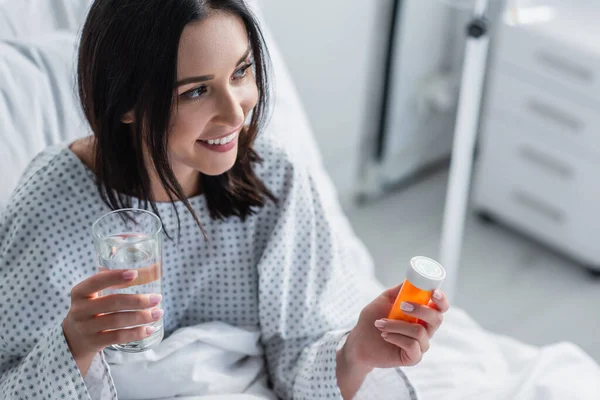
point(380, 83)
point(508, 199)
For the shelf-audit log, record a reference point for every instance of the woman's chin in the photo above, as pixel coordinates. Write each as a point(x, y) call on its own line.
point(218, 168)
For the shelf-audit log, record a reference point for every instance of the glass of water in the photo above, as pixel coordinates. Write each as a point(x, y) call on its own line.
point(129, 239)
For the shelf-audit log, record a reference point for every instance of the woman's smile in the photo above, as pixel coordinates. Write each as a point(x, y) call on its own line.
point(222, 143)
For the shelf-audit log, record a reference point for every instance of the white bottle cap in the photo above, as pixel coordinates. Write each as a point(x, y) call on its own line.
point(425, 273)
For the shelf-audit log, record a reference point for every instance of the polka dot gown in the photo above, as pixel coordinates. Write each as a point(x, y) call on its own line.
point(284, 270)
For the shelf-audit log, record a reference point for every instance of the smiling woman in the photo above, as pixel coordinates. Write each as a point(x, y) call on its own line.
point(216, 91)
point(172, 113)
point(175, 93)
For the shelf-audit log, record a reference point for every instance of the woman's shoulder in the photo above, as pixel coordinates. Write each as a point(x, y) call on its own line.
point(279, 166)
point(272, 150)
point(54, 172)
point(293, 171)
point(42, 161)
point(285, 165)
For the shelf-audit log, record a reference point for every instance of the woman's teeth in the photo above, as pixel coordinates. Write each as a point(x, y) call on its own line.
point(223, 140)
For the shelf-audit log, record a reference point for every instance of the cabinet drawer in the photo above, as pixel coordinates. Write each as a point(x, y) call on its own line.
point(535, 168)
point(545, 111)
point(575, 68)
point(539, 188)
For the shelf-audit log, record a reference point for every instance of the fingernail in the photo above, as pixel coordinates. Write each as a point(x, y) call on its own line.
point(130, 275)
point(384, 334)
point(150, 330)
point(380, 323)
point(437, 294)
point(407, 307)
point(157, 313)
point(155, 299)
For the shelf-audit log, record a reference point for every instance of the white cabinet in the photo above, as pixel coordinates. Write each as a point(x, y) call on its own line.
point(538, 166)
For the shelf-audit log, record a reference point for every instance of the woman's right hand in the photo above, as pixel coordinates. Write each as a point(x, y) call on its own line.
point(94, 322)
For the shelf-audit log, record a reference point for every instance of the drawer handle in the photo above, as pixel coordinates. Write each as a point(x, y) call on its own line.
point(563, 65)
point(539, 207)
point(555, 115)
point(547, 162)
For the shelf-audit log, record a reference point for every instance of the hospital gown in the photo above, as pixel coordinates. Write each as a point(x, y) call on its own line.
point(289, 270)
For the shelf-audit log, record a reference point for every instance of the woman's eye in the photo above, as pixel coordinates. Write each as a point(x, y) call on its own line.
point(195, 93)
point(242, 72)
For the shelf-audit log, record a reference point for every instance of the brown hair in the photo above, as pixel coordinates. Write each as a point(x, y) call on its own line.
point(128, 61)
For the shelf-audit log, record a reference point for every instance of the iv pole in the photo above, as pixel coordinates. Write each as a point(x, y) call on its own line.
point(465, 134)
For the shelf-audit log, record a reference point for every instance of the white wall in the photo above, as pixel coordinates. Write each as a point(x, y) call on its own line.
point(417, 135)
point(335, 50)
point(429, 66)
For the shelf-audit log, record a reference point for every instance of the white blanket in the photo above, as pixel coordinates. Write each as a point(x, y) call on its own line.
point(215, 361)
point(466, 362)
point(211, 361)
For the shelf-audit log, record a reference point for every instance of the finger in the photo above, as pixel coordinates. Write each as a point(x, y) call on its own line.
point(120, 302)
point(102, 280)
point(408, 329)
point(411, 353)
point(122, 320)
point(145, 275)
point(433, 318)
point(392, 293)
point(122, 336)
point(440, 300)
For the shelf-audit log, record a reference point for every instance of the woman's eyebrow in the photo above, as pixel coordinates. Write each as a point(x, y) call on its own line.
point(204, 78)
point(193, 79)
point(246, 54)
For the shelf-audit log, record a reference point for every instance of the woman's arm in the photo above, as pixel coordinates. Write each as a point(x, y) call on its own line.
point(314, 280)
point(39, 265)
point(350, 374)
point(320, 305)
point(47, 371)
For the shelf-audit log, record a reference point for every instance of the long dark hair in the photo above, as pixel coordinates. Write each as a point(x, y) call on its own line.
point(128, 61)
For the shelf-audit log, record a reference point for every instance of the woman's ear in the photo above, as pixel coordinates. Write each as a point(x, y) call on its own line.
point(128, 118)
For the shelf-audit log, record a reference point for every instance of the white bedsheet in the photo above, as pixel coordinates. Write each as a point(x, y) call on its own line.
point(211, 361)
point(466, 362)
point(216, 361)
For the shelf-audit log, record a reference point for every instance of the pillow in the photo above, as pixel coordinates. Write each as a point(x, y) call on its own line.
point(30, 18)
point(38, 102)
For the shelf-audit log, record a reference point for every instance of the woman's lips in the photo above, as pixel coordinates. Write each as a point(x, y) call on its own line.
point(223, 144)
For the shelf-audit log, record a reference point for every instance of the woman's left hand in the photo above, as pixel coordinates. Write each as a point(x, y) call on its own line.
point(376, 342)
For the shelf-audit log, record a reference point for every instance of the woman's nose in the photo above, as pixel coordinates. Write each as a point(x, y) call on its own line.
point(230, 111)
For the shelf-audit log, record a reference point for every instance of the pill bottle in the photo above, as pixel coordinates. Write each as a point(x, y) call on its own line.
point(422, 277)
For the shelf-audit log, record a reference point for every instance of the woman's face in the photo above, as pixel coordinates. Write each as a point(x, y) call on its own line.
point(216, 90)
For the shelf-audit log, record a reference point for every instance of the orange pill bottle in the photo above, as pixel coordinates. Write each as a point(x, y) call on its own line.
point(422, 277)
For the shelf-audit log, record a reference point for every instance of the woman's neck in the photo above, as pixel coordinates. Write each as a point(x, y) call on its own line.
point(188, 178)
